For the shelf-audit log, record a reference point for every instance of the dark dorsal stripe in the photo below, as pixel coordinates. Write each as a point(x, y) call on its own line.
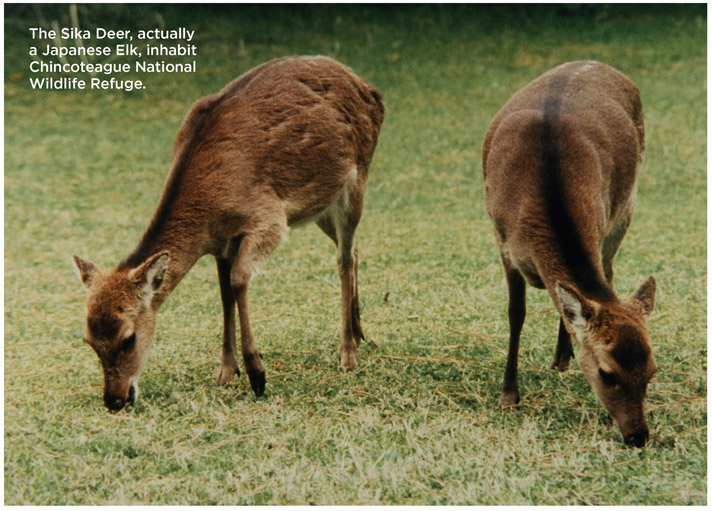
point(576, 258)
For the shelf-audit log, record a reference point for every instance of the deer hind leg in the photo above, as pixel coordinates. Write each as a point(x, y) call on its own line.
point(254, 249)
point(339, 222)
point(228, 365)
point(517, 311)
point(355, 309)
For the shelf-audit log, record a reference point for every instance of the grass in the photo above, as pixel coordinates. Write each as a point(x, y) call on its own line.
point(417, 422)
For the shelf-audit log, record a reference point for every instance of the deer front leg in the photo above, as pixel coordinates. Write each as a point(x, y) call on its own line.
point(564, 351)
point(250, 355)
point(254, 249)
point(228, 365)
point(517, 312)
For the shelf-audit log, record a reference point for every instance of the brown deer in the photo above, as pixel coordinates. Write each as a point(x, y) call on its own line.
point(560, 164)
point(288, 142)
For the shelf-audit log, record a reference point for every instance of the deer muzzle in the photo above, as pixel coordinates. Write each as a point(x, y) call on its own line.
point(117, 401)
point(638, 438)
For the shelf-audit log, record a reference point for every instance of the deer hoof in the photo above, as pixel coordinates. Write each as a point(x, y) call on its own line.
point(226, 375)
point(258, 381)
point(348, 360)
point(561, 365)
point(508, 399)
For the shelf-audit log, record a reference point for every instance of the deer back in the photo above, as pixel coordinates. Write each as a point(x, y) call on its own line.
point(285, 136)
point(560, 164)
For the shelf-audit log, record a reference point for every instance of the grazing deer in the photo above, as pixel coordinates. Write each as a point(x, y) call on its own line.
point(560, 164)
point(288, 142)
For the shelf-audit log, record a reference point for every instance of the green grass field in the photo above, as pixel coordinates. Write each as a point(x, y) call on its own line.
point(417, 423)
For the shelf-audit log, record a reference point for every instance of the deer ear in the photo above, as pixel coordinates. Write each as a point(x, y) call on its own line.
point(644, 297)
point(149, 276)
point(85, 270)
point(577, 312)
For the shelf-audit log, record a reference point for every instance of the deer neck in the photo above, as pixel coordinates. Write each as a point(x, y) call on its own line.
point(178, 267)
point(183, 240)
point(587, 277)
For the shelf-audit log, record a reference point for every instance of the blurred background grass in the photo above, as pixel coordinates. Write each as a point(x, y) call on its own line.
point(417, 423)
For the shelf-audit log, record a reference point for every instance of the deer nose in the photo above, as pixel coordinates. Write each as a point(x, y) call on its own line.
point(114, 403)
point(638, 438)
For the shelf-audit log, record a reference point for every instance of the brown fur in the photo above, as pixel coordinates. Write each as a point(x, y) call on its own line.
point(560, 164)
point(287, 142)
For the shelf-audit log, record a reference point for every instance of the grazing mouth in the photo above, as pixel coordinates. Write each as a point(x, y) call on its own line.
point(115, 403)
point(637, 439)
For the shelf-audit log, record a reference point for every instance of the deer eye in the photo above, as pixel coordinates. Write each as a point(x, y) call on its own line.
point(128, 343)
point(609, 379)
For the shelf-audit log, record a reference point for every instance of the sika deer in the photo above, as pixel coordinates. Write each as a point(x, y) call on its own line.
point(560, 164)
point(288, 142)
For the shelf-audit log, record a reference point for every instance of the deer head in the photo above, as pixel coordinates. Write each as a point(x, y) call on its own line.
point(614, 354)
point(121, 321)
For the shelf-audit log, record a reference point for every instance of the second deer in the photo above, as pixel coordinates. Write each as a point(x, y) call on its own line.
point(560, 163)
